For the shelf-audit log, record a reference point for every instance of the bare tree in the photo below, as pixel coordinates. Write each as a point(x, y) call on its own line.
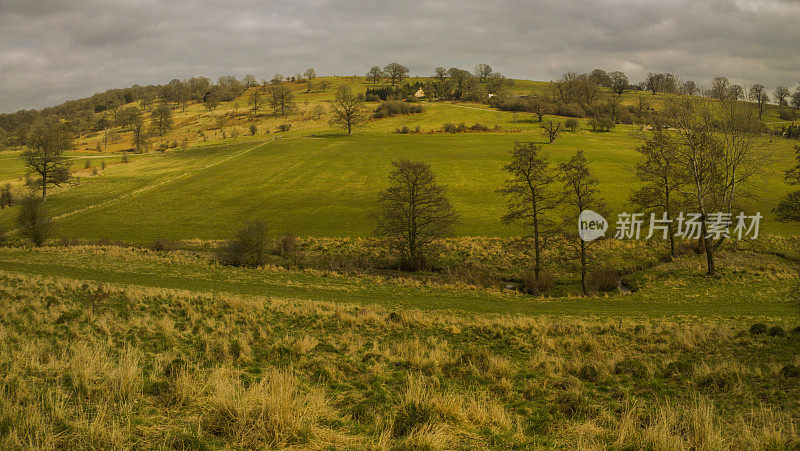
point(256, 102)
point(619, 82)
point(530, 195)
point(720, 149)
point(759, 95)
point(375, 74)
point(796, 99)
point(141, 138)
point(281, 99)
point(781, 93)
point(347, 110)
point(414, 211)
point(658, 171)
point(788, 209)
point(396, 72)
point(552, 128)
point(482, 72)
point(161, 119)
point(440, 73)
point(580, 193)
point(47, 142)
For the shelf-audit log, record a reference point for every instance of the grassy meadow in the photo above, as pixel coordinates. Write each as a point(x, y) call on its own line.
point(125, 330)
point(313, 180)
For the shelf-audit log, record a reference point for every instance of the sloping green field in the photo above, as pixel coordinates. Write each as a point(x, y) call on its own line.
point(313, 180)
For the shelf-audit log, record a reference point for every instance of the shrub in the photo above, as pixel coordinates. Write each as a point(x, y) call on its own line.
point(776, 331)
point(87, 164)
point(6, 197)
point(403, 130)
point(530, 286)
point(173, 144)
point(103, 165)
point(790, 370)
point(250, 247)
point(371, 98)
point(284, 127)
point(571, 124)
point(449, 128)
point(604, 280)
point(33, 221)
point(758, 329)
point(287, 246)
point(570, 110)
point(479, 128)
point(633, 367)
point(395, 108)
point(787, 115)
point(164, 245)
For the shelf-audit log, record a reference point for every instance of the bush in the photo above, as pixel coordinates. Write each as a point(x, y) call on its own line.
point(776, 331)
point(249, 248)
point(604, 280)
point(6, 197)
point(570, 110)
point(395, 108)
point(633, 367)
point(758, 329)
point(371, 98)
point(164, 245)
point(479, 128)
point(530, 286)
point(787, 115)
point(601, 124)
point(253, 129)
point(284, 127)
point(571, 124)
point(403, 130)
point(33, 221)
point(790, 371)
point(287, 246)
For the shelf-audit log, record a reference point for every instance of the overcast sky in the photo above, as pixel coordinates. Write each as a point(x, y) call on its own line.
point(55, 50)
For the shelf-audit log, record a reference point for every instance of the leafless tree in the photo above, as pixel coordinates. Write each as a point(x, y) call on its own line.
point(347, 110)
point(658, 171)
point(580, 193)
point(281, 99)
point(530, 195)
point(482, 71)
point(781, 94)
point(47, 142)
point(375, 74)
point(414, 211)
point(396, 72)
point(759, 95)
point(256, 101)
point(552, 128)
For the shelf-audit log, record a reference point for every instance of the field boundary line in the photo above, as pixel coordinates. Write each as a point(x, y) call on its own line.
point(159, 184)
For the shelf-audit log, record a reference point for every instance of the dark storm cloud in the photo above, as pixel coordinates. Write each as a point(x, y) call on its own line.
point(51, 50)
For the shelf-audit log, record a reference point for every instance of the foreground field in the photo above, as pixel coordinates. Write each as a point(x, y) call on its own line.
point(101, 366)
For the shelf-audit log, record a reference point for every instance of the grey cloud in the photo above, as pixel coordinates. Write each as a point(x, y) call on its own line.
point(51, 51)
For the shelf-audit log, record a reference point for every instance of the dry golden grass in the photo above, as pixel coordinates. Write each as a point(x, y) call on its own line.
point(150, 368)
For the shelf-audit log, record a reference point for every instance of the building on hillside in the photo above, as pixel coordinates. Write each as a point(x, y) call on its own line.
point(419, 93)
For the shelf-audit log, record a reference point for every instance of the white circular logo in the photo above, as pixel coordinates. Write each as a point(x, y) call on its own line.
point(591, 225)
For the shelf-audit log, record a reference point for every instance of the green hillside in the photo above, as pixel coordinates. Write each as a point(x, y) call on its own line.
point(313, 180)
